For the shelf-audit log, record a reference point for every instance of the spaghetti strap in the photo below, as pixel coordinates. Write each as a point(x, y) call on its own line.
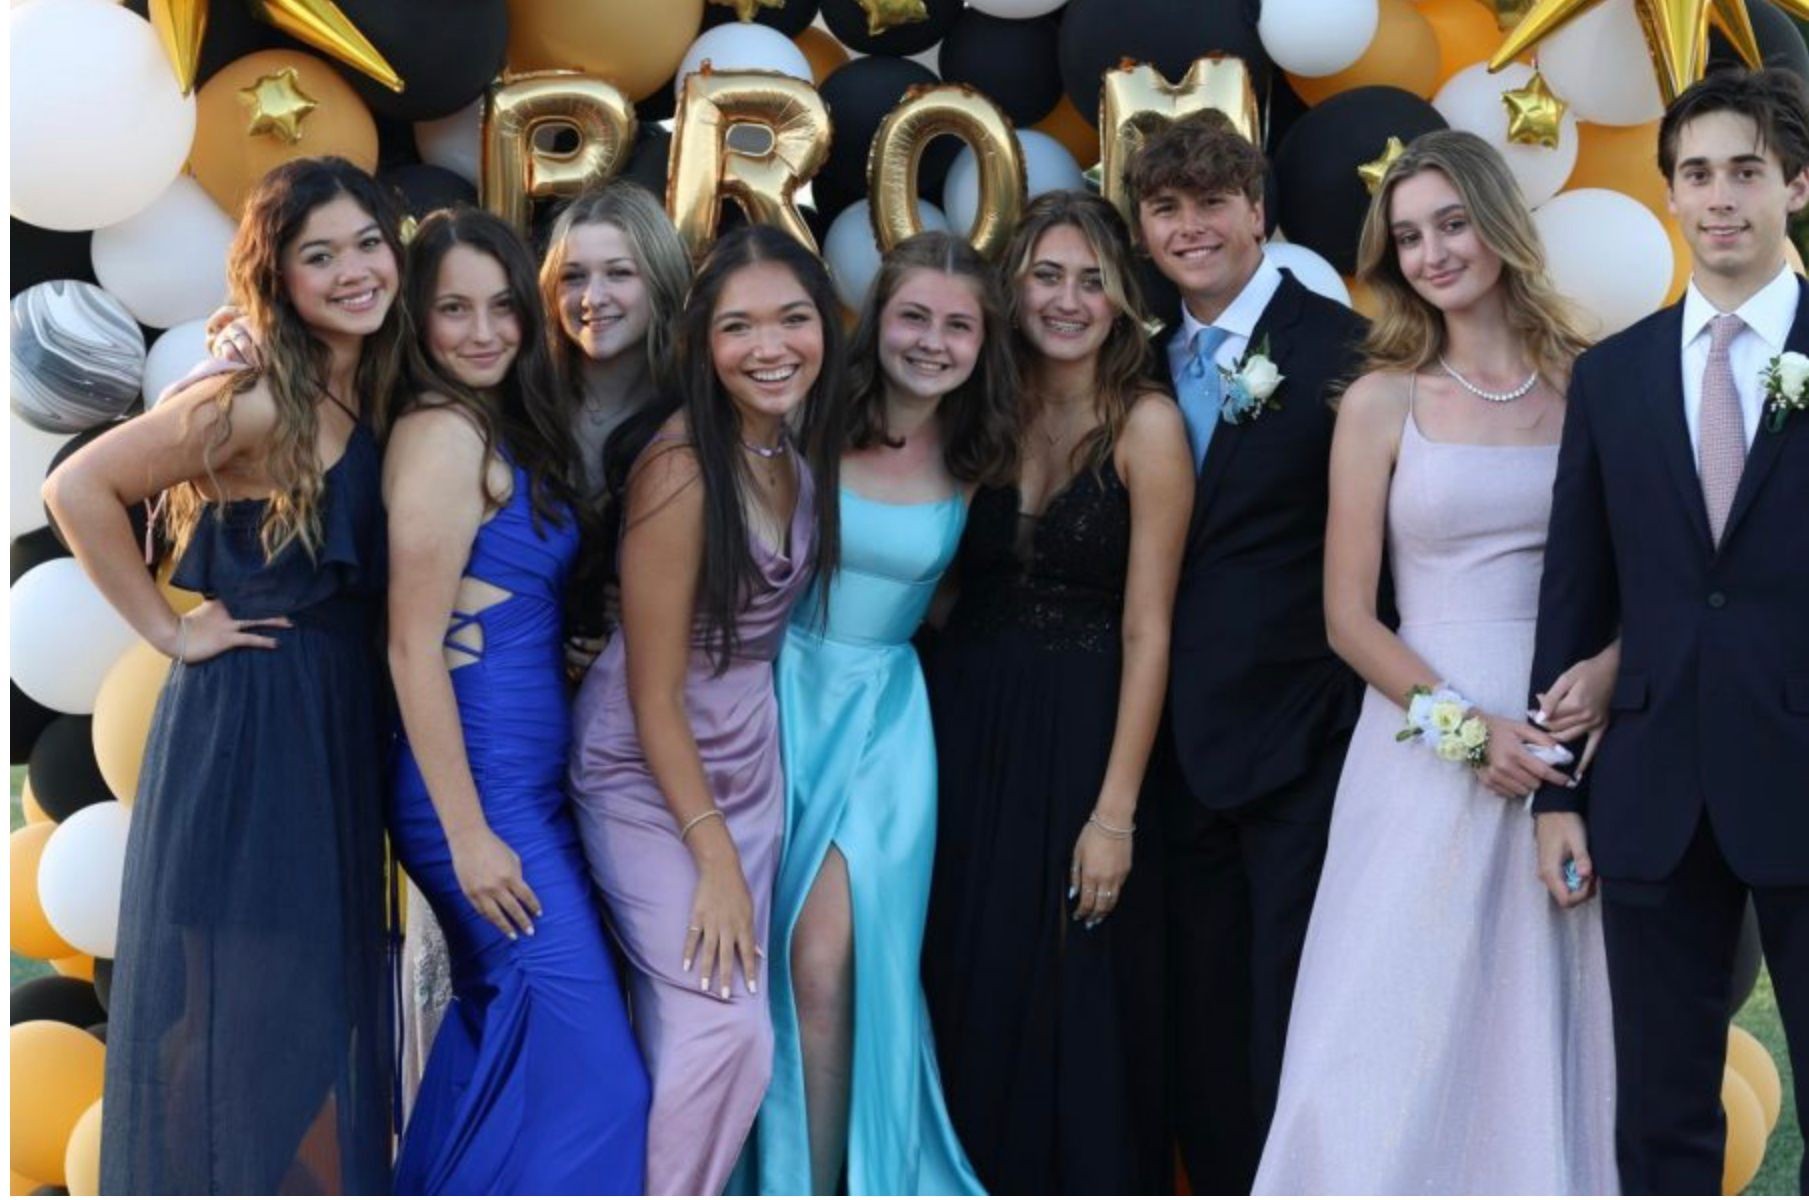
point(344, 408)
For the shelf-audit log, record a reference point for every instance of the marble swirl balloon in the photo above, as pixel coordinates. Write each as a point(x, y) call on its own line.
point(78, 356)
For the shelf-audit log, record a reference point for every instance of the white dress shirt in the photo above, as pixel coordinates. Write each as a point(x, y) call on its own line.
point(1238, 320)
point(1768, 314)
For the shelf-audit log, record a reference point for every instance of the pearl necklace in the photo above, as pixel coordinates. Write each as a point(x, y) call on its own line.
point(1506, 397)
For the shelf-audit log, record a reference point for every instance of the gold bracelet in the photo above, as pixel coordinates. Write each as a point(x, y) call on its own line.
point(684, 834)
point(1111, 831)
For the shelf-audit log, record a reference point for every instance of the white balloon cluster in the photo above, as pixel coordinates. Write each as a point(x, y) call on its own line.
point(81, 874)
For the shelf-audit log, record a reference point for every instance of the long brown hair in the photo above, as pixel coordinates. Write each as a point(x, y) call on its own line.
point(979, 419)
point(1121, 373)
point(1408, 332)
point(295, 361)
point(529, 416)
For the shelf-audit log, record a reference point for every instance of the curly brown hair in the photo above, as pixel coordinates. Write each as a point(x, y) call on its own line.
point(1201, 153)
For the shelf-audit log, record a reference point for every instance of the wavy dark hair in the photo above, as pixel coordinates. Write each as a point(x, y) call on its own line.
point(529, 416)
point(730, 574)
point(295, 361)
point(1121, 372)
point(980, 418)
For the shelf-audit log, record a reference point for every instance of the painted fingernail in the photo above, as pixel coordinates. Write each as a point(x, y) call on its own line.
point(725, 993)
point(703, 983)
point(530, 931)
point(687, 965)
point(1073, 890)
point(753, 987)
point(1539, 716)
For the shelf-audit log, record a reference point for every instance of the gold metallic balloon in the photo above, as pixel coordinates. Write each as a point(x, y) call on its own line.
point(634, 44)
point(1535, 115)
point(322, 25)
point(705, 169)
point(180, 26)
point(516, 171)
point(927, 113)
point(1676, 33)
point(1136, 99)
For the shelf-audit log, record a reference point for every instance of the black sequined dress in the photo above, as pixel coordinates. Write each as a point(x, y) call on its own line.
point(1048, 1034)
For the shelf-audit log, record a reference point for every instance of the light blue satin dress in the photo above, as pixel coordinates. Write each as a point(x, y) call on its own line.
point(860, 771)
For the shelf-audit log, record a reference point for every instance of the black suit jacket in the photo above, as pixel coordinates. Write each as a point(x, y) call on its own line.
point(1712, 704)
point(1255, 693)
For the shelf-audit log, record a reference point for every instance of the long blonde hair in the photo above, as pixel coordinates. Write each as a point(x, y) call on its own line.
point(1122, 370)
point(658, 252)
point(295, 362)
point(1408, 333)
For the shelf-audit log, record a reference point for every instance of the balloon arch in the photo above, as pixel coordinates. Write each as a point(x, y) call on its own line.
point(138, 128)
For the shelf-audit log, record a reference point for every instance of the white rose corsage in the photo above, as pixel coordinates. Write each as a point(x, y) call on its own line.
point(1786, 383)
point(1249, 386)
point(1444, 722)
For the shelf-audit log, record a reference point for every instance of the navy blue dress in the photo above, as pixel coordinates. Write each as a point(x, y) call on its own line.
point(249, 1045)
point(535, 1082)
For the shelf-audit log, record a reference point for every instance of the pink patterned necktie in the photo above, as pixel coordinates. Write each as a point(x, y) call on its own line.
point(1721, 434)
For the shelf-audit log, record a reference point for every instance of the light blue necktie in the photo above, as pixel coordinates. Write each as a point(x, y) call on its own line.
point(1200, 391)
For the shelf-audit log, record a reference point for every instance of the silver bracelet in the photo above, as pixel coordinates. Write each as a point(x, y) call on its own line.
point(181, 637)
point(684, 833)
point(1111, 831)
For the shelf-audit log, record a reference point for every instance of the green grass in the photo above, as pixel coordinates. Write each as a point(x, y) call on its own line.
point(1777, 1175)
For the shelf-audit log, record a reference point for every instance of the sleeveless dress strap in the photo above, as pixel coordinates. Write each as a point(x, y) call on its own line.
point(344, 408)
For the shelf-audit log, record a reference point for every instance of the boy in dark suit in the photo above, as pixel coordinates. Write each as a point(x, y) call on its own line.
point(1260, 708)
point(1680, 519)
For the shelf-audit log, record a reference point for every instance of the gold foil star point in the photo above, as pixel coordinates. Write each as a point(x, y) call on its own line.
point(1534, 114)
point(1371, 172)
point(278, 106)
point(885, 14)
point(1676, 33)
point(745, 9)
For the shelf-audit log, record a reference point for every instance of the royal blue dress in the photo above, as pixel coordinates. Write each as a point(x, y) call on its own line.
point(860, 774)
point(535, 1083)
point(249, 1039)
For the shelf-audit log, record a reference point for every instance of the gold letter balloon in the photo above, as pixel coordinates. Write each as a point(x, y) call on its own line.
point(517, 171)
point(1136, 99)
point(927, 113)
point(705, 169)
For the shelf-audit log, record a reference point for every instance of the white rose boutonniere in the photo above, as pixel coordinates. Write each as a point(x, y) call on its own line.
point(1786, 382)
point(1249, 387)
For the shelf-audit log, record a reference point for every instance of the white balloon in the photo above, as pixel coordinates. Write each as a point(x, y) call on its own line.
point(852, 251)
point(1608, 253)
point(454, 142)
point(1317, 37)
point(65, 636)
point(1471, 100)
point(80, 876)
point(99, 127)
point(738, 47)
point(1598, 62)
point(1313, 272)
point(1048, 167)
point(174, 354)
point(1016, 10)
point(167, 263)
point(29, 451)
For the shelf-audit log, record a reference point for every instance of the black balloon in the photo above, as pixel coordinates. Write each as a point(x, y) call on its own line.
point(64, 776)
point(424, 187)
point(396, 145)
point(661, 104)
point(30, 720)
point(1322, 198)
point(139, 513)
point(232, 33)
point(42, 255)
point(57, 998)
point(1016, 63)
point(103, 982)
point(445, 59)
point(1780, 42)
point(34, 549)
point(648, 160)
point(1167, 34)
point(858, 95)
point(1285, 107)
point(48, 1190)
point(848, 21)
point(99, 1030)
point(790, 17)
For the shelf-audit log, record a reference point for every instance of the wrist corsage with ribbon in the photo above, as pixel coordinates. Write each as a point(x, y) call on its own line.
point(1447, 724)
point(1786, 383)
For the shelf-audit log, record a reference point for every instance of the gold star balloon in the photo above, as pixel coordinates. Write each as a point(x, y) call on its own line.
point(322, 24)
point(278, 106)
point(1371, 172)
point(1677, 33)
point(745, 9)
point(884, 14)
point(1533, 114)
